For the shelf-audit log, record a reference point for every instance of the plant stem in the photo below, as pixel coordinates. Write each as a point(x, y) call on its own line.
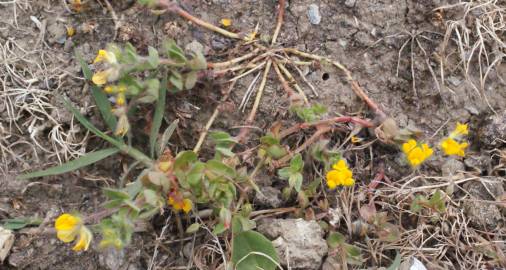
point(281, 13)
point(330, 121)
point(294, 82)
point(233, 61)
point(245, 130)
point(318, 133)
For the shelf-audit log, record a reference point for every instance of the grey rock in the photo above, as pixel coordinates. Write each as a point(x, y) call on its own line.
point(111, 258)
point(483, 214)
point(451, 167)
point(454, 80)
point(493, 133)
point(478, 163)
point(268, 197)
point(313, 13)
point(350, 3)
point(194, 47)
point(299, 243)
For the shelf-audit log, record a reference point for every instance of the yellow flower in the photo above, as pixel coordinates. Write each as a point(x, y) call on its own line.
point(416, 154)
point(85, 237)
point(355, 139)
point(68, 227)
point(105, 56)
point(120, 99)
point(71, 31)
point(180, 204)
point(226, 22)
point(100, 78)
point(339, 175)
point(460, 129)
point(452, 147)
point(109, 89)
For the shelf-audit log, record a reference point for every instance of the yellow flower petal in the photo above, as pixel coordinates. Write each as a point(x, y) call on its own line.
point(348, 182)
point(408, 146)
point(340, 165)
point(100, 78)
point(109, 89)
point(226, 22)
point(67, 226)
point(66, 236)
point(66, 222)
point(120, 99)
point(451, 147)
point(460, 129)
point(187, 205)
point(101, 56)
point(70, 31)
point(85, 237)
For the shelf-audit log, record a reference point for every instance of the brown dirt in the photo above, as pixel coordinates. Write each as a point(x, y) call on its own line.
point(366, 37)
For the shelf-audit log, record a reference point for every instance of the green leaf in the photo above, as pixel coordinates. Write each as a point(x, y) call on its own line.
point(396, 263)
point(103, 104)
point(158, 117)
point(183, 159)
point(193, 228)
point(190, 80)
point(269, 140)
point(115, 194)
point(73, 165)
point(295, 181)
point(296, 164)
point(335, 239)
point(173, 51)
point(284, 173)
point(219, 228)
point(252, 251)
point(276, 151)
point(166, 137)
point(225, 151)
point(20, 223)
point(153, 58)
point(198, 62)
point(88, 74)
point(176, 80)
point(151, 197)
point(220, 168)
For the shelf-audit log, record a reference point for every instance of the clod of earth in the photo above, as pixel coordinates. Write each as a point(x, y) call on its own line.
point(299, 243)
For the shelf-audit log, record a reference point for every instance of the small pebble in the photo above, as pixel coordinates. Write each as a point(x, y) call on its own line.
point(313, 14)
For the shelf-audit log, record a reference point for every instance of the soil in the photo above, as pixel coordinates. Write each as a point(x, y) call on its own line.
point(38, 66)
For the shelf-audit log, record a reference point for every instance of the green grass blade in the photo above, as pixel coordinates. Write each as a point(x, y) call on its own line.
point(73, 165)
point(158, 117)
point(136, 154)
point(100, 97)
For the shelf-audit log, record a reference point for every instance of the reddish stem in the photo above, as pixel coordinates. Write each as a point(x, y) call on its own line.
point(340, 119)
